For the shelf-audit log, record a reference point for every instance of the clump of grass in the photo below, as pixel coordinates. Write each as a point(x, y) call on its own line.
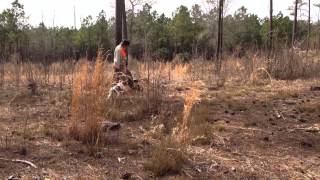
point(190, 99)
point(201, 112)
point(220, 128)
point(53, 132)
point(6, 141)
point(200, 130)
point(128, 109)
point(250, 124)
point(95, 104)
point(286, 94)
point(238, 106)
point(88, 106)
point(239, 92)
point(309, 108)
point(168, 157)
point(79, 84)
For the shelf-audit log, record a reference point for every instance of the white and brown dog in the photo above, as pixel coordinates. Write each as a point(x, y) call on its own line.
point(117, 90)
point(124, 84)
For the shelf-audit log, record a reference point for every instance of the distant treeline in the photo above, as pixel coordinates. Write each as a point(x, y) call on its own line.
point(189, 33)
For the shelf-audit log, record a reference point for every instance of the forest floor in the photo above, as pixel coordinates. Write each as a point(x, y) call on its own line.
point(256, 132)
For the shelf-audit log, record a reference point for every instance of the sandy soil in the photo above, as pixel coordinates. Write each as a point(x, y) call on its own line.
point(256, 134)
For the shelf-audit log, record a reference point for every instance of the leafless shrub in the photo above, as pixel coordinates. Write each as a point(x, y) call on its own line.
point(31, 80)
point(2, 72)
point(202, 70)
point(291, 65)
point(154, 75)
point(61, 73)
point(46, 71)
point(6, 140)
point(26, 133)
point(15, 60)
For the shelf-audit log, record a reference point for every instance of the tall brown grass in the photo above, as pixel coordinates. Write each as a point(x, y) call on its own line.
point(80, 82)
point(191, 98)
point(88, 106)
point(168, 157)
point(250, 69)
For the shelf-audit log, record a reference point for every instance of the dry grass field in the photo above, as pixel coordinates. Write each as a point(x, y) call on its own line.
point(187, 123)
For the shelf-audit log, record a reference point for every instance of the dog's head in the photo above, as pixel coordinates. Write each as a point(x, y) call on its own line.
point(123, 83)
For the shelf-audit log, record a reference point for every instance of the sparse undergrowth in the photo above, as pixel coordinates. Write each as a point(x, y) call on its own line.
point(168, 157)
point(310, 107)
point(201, 131)
point(56, 133)
point(286, 94)
point(225, 122)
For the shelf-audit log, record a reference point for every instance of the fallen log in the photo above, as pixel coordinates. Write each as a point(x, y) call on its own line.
point(112, 126)
point(20, 161)
point(315, 88)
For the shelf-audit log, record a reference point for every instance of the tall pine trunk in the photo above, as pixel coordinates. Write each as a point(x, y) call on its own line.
point(121, 21)
point(118, 22)
point(295, 24)
point(124, 20)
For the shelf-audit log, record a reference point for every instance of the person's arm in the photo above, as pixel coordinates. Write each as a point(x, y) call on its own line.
point(117, 59)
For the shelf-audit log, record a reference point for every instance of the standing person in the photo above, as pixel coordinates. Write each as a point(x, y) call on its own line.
point(120, 64)
point(121, 58)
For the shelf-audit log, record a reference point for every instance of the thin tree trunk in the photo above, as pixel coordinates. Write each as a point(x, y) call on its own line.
point(118, 22)
point(220, 35)
point(131, 20)
point(271, 29)
point(221, 29)
point(295, 23)
point(294, 31)
point(309, 27)
point(270, 41)
point(220, 20)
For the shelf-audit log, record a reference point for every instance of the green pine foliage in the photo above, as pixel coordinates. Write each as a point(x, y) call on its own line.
point(188, 33)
